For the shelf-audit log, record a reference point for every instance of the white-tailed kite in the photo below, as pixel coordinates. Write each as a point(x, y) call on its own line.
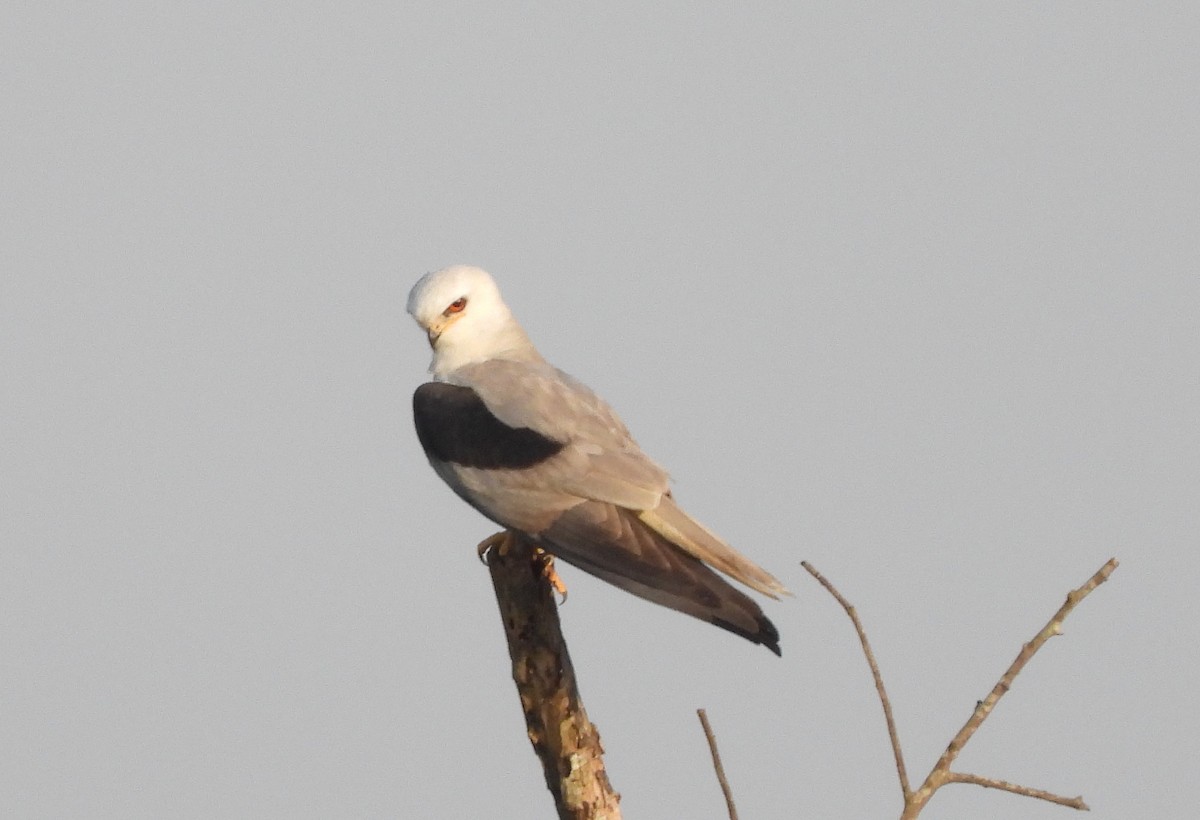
point(538, 452)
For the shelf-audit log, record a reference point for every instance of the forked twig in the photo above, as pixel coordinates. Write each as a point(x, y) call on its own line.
point(716, 758)
point(940, 775)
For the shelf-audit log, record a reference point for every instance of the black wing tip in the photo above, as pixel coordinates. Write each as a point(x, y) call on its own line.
point(766, 635)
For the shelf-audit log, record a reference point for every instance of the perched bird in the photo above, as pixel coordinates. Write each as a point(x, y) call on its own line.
point(538, 452)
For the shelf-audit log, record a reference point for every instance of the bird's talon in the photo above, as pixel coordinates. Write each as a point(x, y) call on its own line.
point(551, 574)
point(500, 541)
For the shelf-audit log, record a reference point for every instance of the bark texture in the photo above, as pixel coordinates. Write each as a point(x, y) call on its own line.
point(563, 738)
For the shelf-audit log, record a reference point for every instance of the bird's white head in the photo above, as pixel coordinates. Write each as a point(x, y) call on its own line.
point(461, 310)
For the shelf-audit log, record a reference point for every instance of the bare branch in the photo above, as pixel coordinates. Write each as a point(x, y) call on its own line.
point(565, 741)
point(915, 801)
point(716, 758)
point(1004, 785)
point(883, 697)
point(941, 773)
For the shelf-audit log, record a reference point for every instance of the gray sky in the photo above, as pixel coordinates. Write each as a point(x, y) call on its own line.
point(911, 294)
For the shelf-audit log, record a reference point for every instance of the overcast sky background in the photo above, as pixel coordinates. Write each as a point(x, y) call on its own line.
point(911, 293)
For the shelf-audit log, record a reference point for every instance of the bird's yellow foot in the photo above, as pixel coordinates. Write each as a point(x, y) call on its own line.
point(501, 542)
point(550, 573)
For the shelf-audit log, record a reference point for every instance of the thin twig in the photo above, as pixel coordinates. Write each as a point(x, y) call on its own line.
point(716, 758)
point(1004, 785)
point(883, 697)
point(941, 773)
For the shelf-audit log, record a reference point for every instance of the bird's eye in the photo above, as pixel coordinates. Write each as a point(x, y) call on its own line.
point(456, 306)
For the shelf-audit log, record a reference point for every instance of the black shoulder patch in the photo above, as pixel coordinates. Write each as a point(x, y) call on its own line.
point(455, 425)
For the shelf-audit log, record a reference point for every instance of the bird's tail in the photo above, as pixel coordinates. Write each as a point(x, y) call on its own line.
point(695, 539)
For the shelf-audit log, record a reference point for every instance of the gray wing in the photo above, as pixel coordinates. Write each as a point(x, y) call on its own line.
point(599, 460)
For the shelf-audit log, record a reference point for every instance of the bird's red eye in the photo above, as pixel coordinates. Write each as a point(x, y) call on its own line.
point(456, 306)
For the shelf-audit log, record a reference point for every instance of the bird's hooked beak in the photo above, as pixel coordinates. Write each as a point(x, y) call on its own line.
point(438, 326)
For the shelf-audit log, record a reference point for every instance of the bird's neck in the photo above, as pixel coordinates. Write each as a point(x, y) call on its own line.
point(508, 343)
